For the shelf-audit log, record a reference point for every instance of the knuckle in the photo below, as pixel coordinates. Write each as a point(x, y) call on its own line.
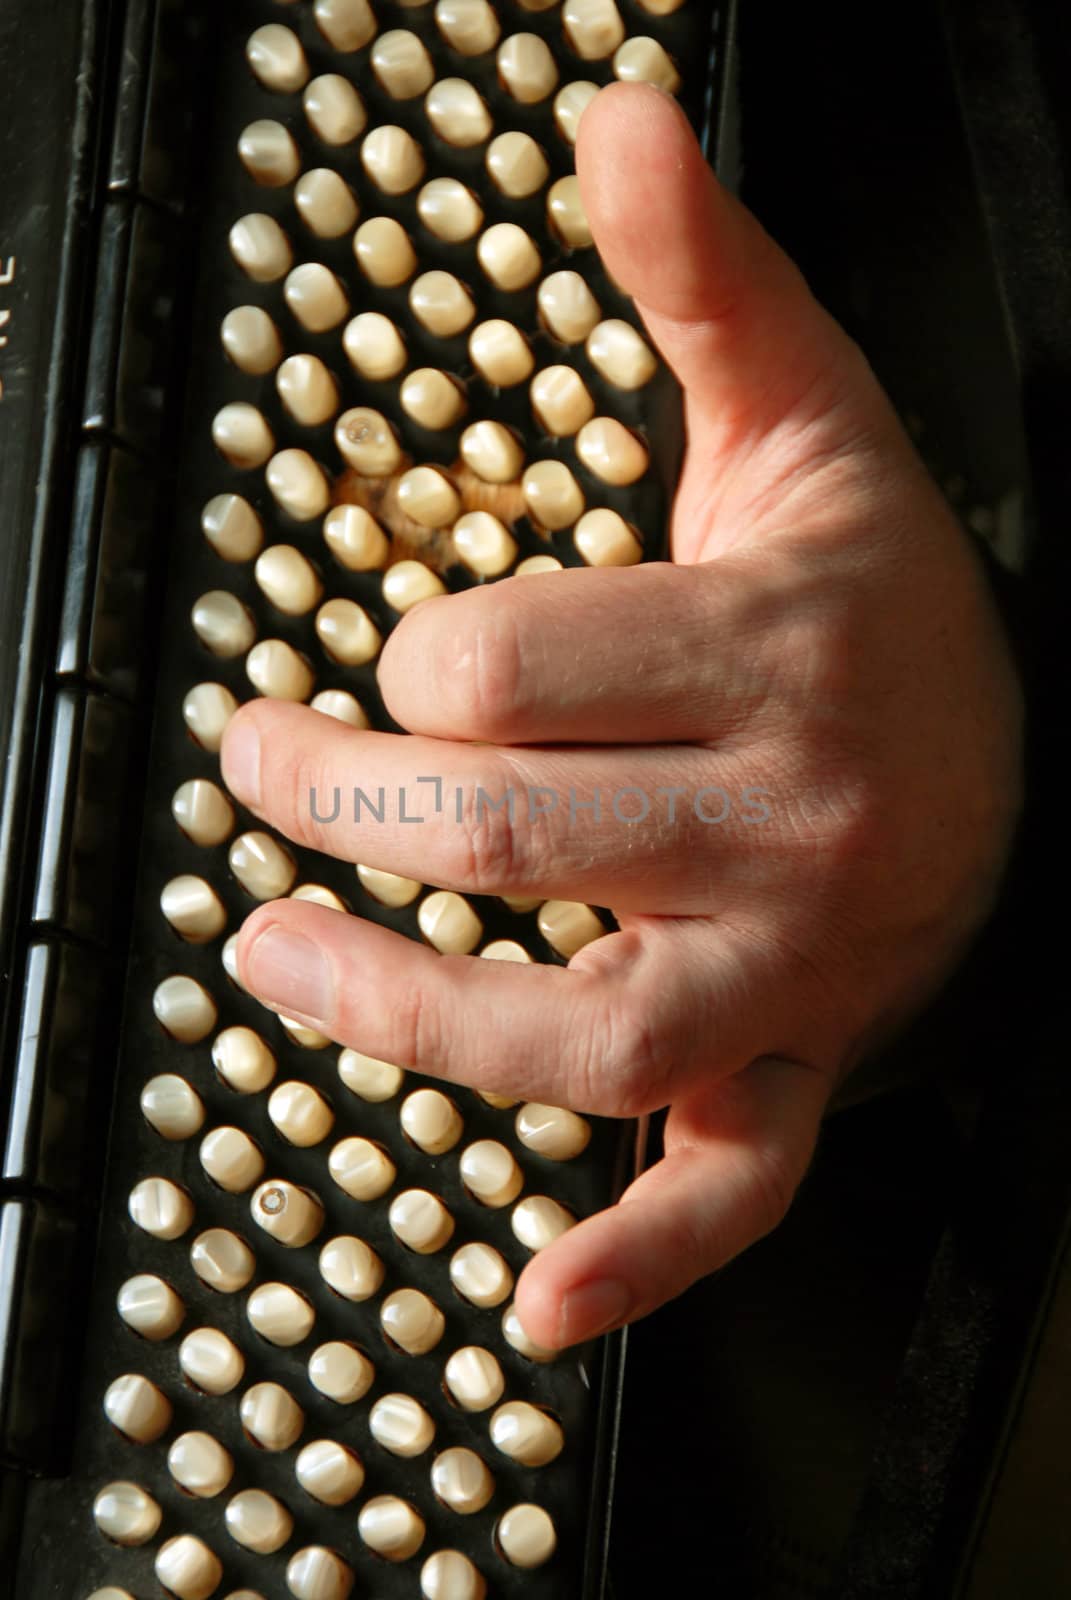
point(633, 1062)
point(488, 854)
point(773, 1180)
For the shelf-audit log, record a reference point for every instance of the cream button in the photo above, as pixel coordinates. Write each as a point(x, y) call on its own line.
point(222, 1260)
point(231, 1159)
point(570, 103)
point(366, 442)
point(334, 109)
point(206, 816)
point(351, 1268)
point(500, 353)
point(211, 1361)
point(200, 1465)
point(461, 1480)
point(344, 707)
point(137, 1409)
point(363, 1170)
point(298, 485)
point(643, 60)
point(243, 1060)
point(428, 396)
point(401, 63)
point(539, 1220)
point(262, 866)
point(560, 401)
point(526, 67)
point(272, 1418)
point(124, 1513)
point(347, 25)
point(517, 166)
point(355, 539)
point(450, 1575)
point(505, 950)
point(480, 1275)
point(470, 26)
point(515, 1336)
point(551, 1131)
point(300, 1113)
point(401, 1425)
point(223, 624)
point(492, 452)
point(172, 1107)
point(449, 210)
point(604, 539)
point(526, 1536)
point(280, 1314)
point(406, 583)
point(269, 154)
point(611, 452)
point(276, 671)
point(187, 1568)
point(251, 340)
point(391, 1527)
point(372, 1080)
point(347, 632)
point(291, 1215)
point(329, 1472)
point(526, 1434)
point(257, 1521)
point(490, 1173)
point(387, 887)
point(593, 28)
point(508, 256)
point(228, 956)
point(392, 159)
point(341, 1372)
point(431, 1120)
point(429, 497)
point(161, 1208)
point(288, 580)
point(375, 349)
point(232, 527)
point(182, 1007)
point(568, 925)
point(206, 711)
point(565, 212)
point(474, 1378)
point(277, 59)
point(568, 307)
point(383, 252)
point(316, 297)
point(150, 1307)
point(618, 352)
point(485, 546)
point(448, 922)
point(411, 1321)
point(442, 304)
point(325, 203)
point(498, 1102)
point(317, 1573)
point(552, 495)
point(458, 113)
point(260, 248)
point(307, 390)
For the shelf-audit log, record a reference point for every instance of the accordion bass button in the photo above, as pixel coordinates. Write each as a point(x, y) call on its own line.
point(242, 1060)
point(347, 633)
point(206, 711)
point(392, 159)
point(223, 624)
point(137, 1409)
point(126, 1514)
point(604, 539)
point(271, 1416)
point(316, 1573)
point(261, 248)
point(401, 1425)
point(269, 154)
point(251, 340)
point(411, 1321)
point(384, 253)
point(441, 304)
point(365, 1076)
point(351, 1268)
point(448, 922)
point(570, 103)
point(538, 1220)
point(355, 538)
point(187, 1568)
point(517, 1339)
point(620, 354)
point(206, 816)
point(474, 1378)
point(643, 60)
point(277, 671)
point(492, 452)
point(488, 548)
point(567, 306)
point(461, 1481)
point(450, 1575)
point(611, 452)
point(551, 1131)
point(552, 495)
point(316, 297)
point(300, 1114)
point(262, 866)
point(470, 26)
point(500, 353)
point(480, 1275)
point(182, 1006)
point(526, 1434)
point(366, 442)
point(431, 1120)
point(230, 524)
point(341, 1372)
point(298, 485)
point(160, 1208)
point(568, 925)
point(428, 496)
point(374, 348)
point(391, 1527)
point(231, 1159)
point(348, 25)
point(401, 64)
point(561, 402)
point(277, 59)
point(526, 1536)
point(200, 1465)
point(222, 1260)
point(517, 165)
point(361, 1169)
point(307, 390)
point(526, 68)
point(325, 203)
point(490, 1173)
point(565, 212)
point(280, 1314)
point(291, 1215)
point(593, 28)
point(211, 1361)
point(334, 110)
point(172, 1106)
point(150, 1307)
point(389, 889)
point(458, 113)
point(288, 579)
point(258, 1521)
point(429, 397)
point(508, 256)
point(536, 564)
point(329, 1473)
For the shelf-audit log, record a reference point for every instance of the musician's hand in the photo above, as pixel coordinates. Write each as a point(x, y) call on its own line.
point(825, 635)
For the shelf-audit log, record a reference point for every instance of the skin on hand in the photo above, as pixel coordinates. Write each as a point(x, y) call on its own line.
point(824, 632)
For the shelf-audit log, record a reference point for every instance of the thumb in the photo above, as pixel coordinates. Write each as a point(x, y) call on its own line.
point(731, 314)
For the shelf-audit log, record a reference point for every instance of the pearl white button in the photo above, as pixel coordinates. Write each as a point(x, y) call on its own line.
point(328, 1472)
point(412, 1321)
point(277, 671)
point(431, 1120)
point(474, 1378)
point(137, 1408)
point(223, 624)
point(231, 1159)
point(568, 925)
point(308, 391)
point(260, 248)
point(206, 816)
point(461, 1480)
point(277, 59)
point(348, 25)
point(269, 154)
point(392, 159)
point(351, 1268)
point(526, 1536)
point(200, 1465)
point(222, 1260)
point(367, 1077)
point(258, 1521)
point(271, 1416)
point(361, 1168)
point(387, 887)
point(526, 1434)
point(341, 1372)
point(366, 442)
point(401, 1425)
point(300, 1113)
point(172, 1107)
point(480, 1274)
point(450, 1575)
point(391, 1527)
point(243, 1060)
point(421, 1221)
point(539, 1220)
point(517, 165)
point(448, 922)
point(470, 26)
point(280, 1314)
point(317, 1573)
point(334, 109)
point(161, 1208)
point(375, 348)
point(568, 307)
point(126, 1514)
point(187, 1568)
point(383, 252)
point(289, 1214)
point(251, 340)
point(211, 1361)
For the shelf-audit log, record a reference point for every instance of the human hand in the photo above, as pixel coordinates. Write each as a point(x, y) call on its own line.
point(824, 633)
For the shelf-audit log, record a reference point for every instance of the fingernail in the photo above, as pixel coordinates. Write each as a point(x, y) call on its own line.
point(289, 971)
point(592, 1309)
point(241, 761)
